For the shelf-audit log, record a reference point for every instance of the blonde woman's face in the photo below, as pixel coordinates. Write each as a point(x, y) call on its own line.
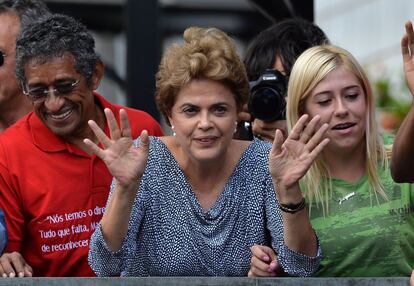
point(204, 117)
point(340, 101)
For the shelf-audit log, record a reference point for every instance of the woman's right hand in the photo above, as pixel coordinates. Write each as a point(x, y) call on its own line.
point(290, 159)
point(125, 162)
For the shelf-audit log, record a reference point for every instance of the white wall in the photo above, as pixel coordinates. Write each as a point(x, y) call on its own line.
point(371, 30)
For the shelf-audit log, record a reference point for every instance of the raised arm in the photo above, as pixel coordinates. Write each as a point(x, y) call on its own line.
point(126, 164)
point(402, 162)
point(288, 163)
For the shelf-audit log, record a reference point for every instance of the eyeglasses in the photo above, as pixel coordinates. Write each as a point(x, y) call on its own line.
point(2, 56)
point(39, 94)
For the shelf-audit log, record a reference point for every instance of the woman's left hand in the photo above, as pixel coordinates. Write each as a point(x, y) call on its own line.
point(290, 160)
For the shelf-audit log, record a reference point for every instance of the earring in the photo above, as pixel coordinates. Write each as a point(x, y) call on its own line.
point(172, 127)
point(235, 130)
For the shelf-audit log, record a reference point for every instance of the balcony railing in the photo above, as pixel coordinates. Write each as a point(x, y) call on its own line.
point(205, 281)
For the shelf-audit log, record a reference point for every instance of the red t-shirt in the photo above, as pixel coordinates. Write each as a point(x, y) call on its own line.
point(53, 194)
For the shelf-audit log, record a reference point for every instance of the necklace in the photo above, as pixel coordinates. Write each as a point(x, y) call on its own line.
point(347, 197)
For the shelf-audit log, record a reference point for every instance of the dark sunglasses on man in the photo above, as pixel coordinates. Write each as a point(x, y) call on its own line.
point(39, 94)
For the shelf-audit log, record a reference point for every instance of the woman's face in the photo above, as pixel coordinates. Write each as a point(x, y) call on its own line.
point(341, 102)
point(204, 117)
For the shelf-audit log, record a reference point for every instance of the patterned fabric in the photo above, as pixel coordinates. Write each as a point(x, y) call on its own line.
point(364, 234)
point(169, 233)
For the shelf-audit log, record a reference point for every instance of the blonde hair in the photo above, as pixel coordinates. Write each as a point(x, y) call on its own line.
point(310, 69)
point(207, 53)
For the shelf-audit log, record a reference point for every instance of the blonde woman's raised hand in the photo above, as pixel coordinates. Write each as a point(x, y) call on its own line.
point(290, 160)
point(407, 50)
point(125, 162)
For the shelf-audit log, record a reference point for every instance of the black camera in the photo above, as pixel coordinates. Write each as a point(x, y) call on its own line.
point(267, 96)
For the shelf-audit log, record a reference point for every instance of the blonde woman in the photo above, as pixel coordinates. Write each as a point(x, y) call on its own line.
point(364, 220)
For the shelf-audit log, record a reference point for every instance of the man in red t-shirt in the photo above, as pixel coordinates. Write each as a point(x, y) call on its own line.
point(53, 192)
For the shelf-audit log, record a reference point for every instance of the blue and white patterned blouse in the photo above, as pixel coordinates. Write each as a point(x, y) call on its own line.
point(169, 233)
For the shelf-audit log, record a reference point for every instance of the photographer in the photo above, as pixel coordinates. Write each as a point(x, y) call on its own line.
point(268, 62)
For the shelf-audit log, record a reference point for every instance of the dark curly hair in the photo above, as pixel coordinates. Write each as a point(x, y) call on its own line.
point(286, 39)
point(28, 11)
point(53, 36)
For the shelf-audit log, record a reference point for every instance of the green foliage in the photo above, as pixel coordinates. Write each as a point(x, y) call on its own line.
point(388, 103)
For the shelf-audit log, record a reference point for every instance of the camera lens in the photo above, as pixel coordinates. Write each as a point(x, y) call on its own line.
point(267, 104)
point(267, 96)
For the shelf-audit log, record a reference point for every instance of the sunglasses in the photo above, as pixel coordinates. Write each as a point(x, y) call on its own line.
point(39, 94)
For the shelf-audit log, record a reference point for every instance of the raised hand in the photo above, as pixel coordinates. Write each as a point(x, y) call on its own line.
point(290, 160)
point(125, 162)
point(407, 50)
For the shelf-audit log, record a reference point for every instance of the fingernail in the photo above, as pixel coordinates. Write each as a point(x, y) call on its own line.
point(21, 274)
point(265, 258)
point(4, 275)
point(12, 274)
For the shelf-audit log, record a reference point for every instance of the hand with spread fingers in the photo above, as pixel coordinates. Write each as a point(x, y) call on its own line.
point(402, 151)
point(127, 165)
point(290, 160)
point(407, 50)
point(13, 265)
point(288, 163)
point(125, 161)
point(264, 262)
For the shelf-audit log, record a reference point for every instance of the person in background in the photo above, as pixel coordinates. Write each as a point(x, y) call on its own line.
point(276, 48)
point(193, 203)
point(14, 16)
point(52, 189)
point(3, 232)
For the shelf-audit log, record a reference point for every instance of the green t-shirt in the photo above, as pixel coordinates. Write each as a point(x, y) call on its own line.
point(361, 237)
